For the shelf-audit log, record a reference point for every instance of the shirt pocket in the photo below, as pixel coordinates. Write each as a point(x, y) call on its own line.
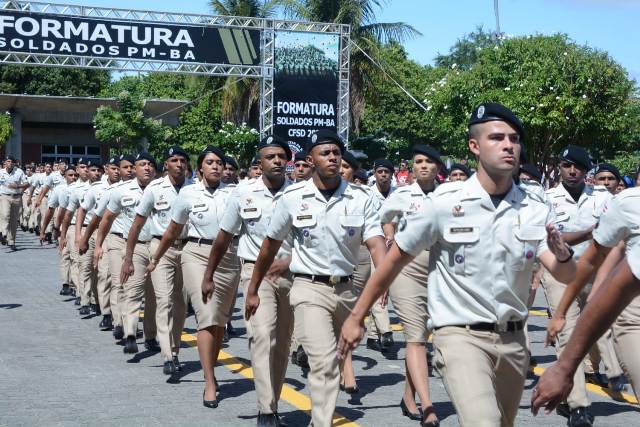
point(525, 245)
point(352, 226)
point(305, 225)
point(462, 241)
point(250, 212)
point(199, 213)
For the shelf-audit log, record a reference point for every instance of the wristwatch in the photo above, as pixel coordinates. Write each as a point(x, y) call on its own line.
point(571, 252)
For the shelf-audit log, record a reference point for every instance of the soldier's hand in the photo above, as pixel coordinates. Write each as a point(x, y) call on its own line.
point(384, 298)
point(556, 243)
point(554, 386)
point(97, 256)
point(82, 246)
point(207, 288)
point(150, 267)
point(63, 243)
point(251, 303)
point(350, 336)
point(279, 268)
point(556, 324)
point(126, 271)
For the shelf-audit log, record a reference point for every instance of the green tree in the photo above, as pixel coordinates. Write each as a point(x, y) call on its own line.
point(366, 33)
point(52, 81)
point(240, 142)
point(6, 128)
point(464, 53)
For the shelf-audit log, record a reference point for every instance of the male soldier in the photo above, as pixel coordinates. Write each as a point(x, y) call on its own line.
point(13, 182)
point(459, 172)
point(167, 276)
point(483, 235)
point(329, 218)
point(26, 196)
point(57, 197)
point(87, 242)
point(301, 169)
point(86, 273)
point(609, 176)
point(577, 208)
point(230, 172)
point(249, 210)
point(529, 172)
point(254, 170)
point(38, 213)
point(51, 181)
point(117, 218)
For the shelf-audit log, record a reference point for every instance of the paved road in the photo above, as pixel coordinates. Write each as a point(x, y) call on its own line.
point(58, 369)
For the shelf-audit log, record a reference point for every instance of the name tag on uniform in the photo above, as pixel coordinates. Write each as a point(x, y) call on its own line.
point(457, 230)
point(200, 207)
point(127, 201)
point(163, 204)
point(247, 210)
point(304, 217)
point(461, 234)
point(306, 220)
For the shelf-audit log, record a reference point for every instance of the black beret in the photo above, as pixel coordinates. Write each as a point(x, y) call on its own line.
point(460, 167)
point(62, 160)
point(231, 161)
point(69, 168)
point(176, 150)
point(10, 158)
point(348, 157)
point(492, 111)
point(126, 157)
point(275, 141)
point(256, 160)
point(146, 156)
point(576, 155)
point(301, 156)
point(325, 136)
point(608, 167)
point(361, 174)
point(113, 161)
point(383, 163)
point(430, 152)
point(214, 150)
point(82, 161)
point(531, 170)
point(91, 163)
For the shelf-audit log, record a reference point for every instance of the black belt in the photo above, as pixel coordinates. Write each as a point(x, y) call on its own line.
point(485, 326)
point(176, 242)
point(201, 241)
point(118, 234)
point(329, 280)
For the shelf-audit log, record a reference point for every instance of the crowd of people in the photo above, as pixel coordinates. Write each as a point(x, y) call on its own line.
point(306, 61)
point(458, 251)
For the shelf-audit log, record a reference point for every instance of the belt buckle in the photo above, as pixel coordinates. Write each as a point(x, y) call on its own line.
point(504, 327)
point(334, 280)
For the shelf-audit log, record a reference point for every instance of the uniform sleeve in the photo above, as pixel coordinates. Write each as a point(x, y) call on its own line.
point(48, 181)
point(52, 200)
point(372, 226)
point(614, 224)
point(102, 204)
point(181, 207)
point(419, 231)
point(113, 204)
point(89, 200)
point(231, 221)
point(145, 206)
point(73, 202)
point(281, 221)
point(391, 209)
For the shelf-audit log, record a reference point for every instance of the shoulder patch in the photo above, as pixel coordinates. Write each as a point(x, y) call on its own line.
point(295, 187)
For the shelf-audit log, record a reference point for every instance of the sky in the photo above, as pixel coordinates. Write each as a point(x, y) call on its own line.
point(609, 25)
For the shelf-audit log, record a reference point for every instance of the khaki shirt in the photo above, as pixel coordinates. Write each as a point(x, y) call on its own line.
point(248, 213)
point(124, 198)
point(156, 205)
point(481, 257)
point(620, 221)
point(326, 234)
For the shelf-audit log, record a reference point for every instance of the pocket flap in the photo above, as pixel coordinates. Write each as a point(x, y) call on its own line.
point(530, 232)
point(352, 220)
point(461, 234)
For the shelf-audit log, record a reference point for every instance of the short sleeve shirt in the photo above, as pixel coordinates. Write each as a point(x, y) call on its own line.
point(123, 201)
point(403, 202)
point(92, 198)
point(16, 176)
point(326, 234)
point(156, 205)
point(481, 257)
point(77, 192)
point(620, 221)
point(53, 179)
point(56, 195)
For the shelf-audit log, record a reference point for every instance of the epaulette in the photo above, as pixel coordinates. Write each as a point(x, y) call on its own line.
point(295, 187)
point(93, 184)
point(155, 182)
point(359, 187)
point(532, 194)
point(448, 187)
point(121, 183)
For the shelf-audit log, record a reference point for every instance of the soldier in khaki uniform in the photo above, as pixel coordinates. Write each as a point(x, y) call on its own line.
point(483, 235)
point(155, 205)
point(248, 213)
point(115, 225)
point(329, 219)
point(13, 182)
point(409, 291)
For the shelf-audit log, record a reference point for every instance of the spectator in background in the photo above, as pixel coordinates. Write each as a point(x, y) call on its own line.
point(459, 172)
point(403, 176)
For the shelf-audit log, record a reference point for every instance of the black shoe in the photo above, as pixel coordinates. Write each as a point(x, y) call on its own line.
point(107, 322)
point(176, 363)
point(37, 230)
point(130, 346)
point(563, 410)
point(617, 384)
point(424, 423)
point(139, 334)
point(580, 417)
point(349, 390)
point(416, 416)
point(13, 248)
point(268, 420)
point(31, 230)
point(77, 301)
point(168, 368)
point(65, 290)
point(374, 344)
point(3, 240)
point(23, 228)
point(206, 403)
point(84, 310)
point(595, 378)
point(48, 238)
point(118, 332)
point(152, 345)
point(387, 340)
point(73, 292)
point(95, 308)
point(302, 358)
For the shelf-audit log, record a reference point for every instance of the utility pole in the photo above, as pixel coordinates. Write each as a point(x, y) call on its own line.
point(496, 11)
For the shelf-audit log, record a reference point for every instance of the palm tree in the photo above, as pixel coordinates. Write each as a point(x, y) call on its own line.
point(366, 33)
point(240, 97)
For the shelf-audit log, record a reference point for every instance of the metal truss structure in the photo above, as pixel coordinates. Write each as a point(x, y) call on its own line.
point(264, 71)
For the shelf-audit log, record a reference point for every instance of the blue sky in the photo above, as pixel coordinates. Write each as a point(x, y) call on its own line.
point(610, 25)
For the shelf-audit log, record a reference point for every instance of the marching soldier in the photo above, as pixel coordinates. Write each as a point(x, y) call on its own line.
point(459, 172)
point(13, 182)
point(329, 218)
point(608, 176)
point(301, 169)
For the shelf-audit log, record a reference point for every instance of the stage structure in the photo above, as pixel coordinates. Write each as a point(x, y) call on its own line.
point(303, 66)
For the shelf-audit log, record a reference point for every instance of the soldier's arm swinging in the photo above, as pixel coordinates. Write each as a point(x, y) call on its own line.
point(127, 264)
point(268, 252)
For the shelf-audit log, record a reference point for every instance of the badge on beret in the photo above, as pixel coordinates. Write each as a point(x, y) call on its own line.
point(137, 156)
point(269, 140)
point(566, 153)
point(314, 138)
point(480, 111)
point(171, 151)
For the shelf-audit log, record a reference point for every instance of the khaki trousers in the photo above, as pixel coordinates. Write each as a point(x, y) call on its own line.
point(170, 306)
point(74, 259)
point(215, 312)
point(136, 289)
point(26, 210)
point(269, 331)
point(44, 207)
point(114, 251)
point(626, 339)
point(10, 211)
point(88, 275)
point(320, 310)
point(554, 290)
point(103, 285)
point(64, 264)
point(483, 372)
point(378, 322)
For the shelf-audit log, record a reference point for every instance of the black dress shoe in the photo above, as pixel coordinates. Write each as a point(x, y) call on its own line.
point(65, 290)
point(302, 359)
point(206, 403)
point(374, 344)
point(73, 292)
point(386, 341)
point(130, 346)
point(77, 302)
point(595, 378)
point(580, 417)
point(416, 416)
point(424, 423)
point(84, 310)
point(350, 390)
point(118, 332)
point(37, 230)
point(95, 308)
point(268, 420)
point(563, 410)
point(617, 384)
point(168, 368)
point(48, 237)
point(152, 345)
point(13, 248)
point(107, 322)
point(176, 363)
point(139, 333)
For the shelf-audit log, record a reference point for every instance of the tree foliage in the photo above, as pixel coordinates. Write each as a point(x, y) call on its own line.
point(464, 53)
point(6, 128)
point(52, 81)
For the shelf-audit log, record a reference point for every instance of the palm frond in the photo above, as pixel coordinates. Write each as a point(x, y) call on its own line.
point(385, 32)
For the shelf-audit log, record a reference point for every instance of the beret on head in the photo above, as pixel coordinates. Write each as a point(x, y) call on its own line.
point(383, 163)
point(231, 161)
point(176, 150)
point(576, 155)
point(428, 151)
point(211, 149)
point(361, 174)
point(113, 161)
point(492, 111)
point(146, 156)
point(325, 136)
point(460, 167)
point(348, 157)
point(275, 141)
point(82, 161)
point(301, 156)
point(531, 170)
point(126, 157)
point(608, 167)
